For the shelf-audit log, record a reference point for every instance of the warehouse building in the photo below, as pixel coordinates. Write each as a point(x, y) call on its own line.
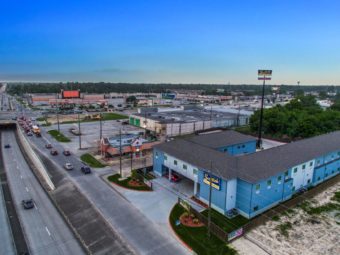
point(243, 180)
point(186, 120)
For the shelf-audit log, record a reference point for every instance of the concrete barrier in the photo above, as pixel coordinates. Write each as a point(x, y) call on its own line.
point(34, 158)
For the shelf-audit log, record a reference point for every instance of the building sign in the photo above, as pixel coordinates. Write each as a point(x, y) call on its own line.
point(234, 234)
point(215, 181)
point(70, 94)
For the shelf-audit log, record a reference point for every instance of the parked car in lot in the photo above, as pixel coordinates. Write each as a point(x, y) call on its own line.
point(174, 177)
point(48, 146)
point(68, 166)
point(29, 134)
point(54, 152)
point(7, 146)
point(66, 152)
point(27, 204)
point(85, 169)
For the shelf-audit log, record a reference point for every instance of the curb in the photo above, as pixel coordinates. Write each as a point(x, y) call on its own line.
point(177, 236)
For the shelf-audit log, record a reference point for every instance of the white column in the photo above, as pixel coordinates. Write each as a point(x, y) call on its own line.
point(195, 188)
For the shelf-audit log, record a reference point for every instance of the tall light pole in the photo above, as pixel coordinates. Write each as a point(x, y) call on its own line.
point(262, 75)
point(120, 152)
point(58, 113)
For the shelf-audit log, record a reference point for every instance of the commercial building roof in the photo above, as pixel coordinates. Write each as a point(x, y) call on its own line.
point(255, 166)
point(182, 116)
point(219, 139)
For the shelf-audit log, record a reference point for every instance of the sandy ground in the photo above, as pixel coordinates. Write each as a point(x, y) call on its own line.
point(310, 235)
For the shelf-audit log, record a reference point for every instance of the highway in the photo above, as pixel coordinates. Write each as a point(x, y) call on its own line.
point(143, 235)
point(45, 230)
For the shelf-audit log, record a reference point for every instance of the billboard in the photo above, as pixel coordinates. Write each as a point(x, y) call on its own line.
point(264, 72)
point(215, 181)
point(70, 94)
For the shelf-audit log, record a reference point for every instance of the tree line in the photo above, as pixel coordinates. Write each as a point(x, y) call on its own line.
point(104, 87)
point(301, 118)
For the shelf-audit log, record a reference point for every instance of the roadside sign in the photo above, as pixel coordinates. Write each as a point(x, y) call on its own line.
point(264, 72)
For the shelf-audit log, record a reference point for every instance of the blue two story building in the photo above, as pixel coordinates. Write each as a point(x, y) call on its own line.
point(245, 180)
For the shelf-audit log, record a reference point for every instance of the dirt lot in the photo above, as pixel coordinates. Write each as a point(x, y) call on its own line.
point(302, 230)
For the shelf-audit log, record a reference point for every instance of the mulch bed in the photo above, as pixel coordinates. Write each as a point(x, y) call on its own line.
point(188, 221)
point(199, 202)
point(134, 183)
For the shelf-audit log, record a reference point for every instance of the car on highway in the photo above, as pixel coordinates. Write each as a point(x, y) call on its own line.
point(68, 166)
point(54, 152)
point(66, 152)
point(27, 204)
point(7, 146)
point(48, 146)
point(85, 169)
point(174, 177)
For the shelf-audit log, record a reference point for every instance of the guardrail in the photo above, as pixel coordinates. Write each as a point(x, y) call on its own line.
point(35, 159)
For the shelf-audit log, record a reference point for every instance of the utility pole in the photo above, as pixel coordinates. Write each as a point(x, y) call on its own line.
point(79, 132)
point(263, 75)
point(120, 152)
point(210, 191)
point(58, 113)
point(131, 158)
point(100, 127)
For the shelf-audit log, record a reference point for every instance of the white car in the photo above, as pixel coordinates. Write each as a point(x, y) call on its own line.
point(68, 166)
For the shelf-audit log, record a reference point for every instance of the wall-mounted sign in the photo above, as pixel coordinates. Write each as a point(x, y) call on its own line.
point(215, 181)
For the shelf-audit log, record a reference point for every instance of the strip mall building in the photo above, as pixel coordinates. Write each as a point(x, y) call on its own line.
point(245, 180)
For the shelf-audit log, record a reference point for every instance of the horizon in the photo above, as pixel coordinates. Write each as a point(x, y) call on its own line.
point(195, 42)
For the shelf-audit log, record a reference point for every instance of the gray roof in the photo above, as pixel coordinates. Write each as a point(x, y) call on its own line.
point(261, 165)
point(201, 157)
point(219, 139)
point(255, 166)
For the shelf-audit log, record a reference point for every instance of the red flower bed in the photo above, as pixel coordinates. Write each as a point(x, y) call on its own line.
point(190, 221)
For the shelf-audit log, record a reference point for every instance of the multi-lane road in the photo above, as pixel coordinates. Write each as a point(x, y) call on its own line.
point(143, 235)
point(44, 229)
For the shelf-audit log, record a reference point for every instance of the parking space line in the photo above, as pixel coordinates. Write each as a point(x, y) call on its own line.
point(26, 189)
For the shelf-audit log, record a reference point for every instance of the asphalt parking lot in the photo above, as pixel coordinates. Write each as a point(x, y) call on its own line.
point(91, 133)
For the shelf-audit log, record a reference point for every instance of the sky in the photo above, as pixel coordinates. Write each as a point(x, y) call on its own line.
point(175, 41)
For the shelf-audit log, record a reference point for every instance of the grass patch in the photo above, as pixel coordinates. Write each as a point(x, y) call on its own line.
point(284, 227)
point(276, 218)
point(197, 237)
point(308, 208)
point(336, 197)
point(41, 119)
point(91, 161)
point(125, 183)
point(59, 136)
point(46, 124)
point(225, 223)
point(113, 116)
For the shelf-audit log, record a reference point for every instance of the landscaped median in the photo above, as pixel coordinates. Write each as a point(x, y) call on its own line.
point(91, 161)
point(129, 182)
point(196, 237)
point(59, 136)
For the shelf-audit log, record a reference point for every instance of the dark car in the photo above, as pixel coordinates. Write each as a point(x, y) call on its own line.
point(28, 204)
point(85, 169)
point(125, 123)
point(7, 146)
point(54, 152)
point(66, 152)
point(48, 146)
